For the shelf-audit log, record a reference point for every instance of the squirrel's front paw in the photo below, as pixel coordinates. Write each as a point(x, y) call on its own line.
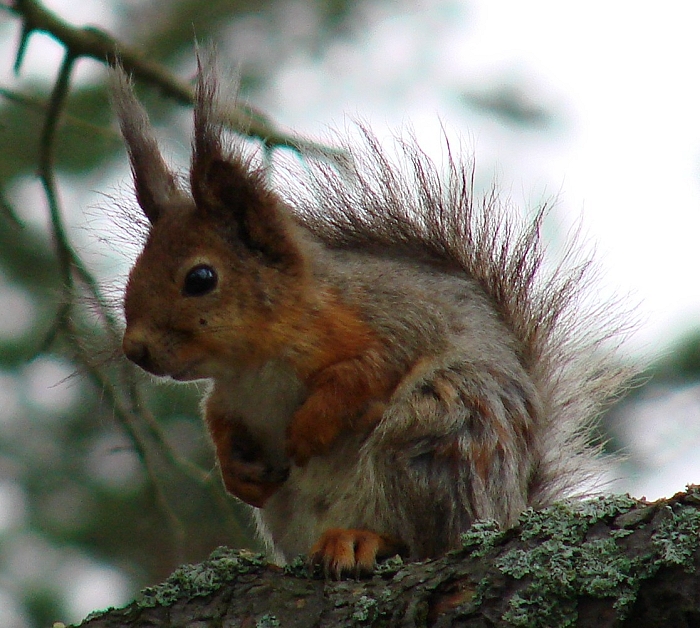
point(252, 482)
point(314, 428)
point(248, 475)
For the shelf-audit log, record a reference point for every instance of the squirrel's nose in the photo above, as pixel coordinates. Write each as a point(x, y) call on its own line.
point(136, 349)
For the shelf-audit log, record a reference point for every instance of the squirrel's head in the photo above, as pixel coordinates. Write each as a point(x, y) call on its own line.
point(222, 268)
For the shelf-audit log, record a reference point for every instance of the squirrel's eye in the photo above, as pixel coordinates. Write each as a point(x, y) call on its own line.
point(199, 281)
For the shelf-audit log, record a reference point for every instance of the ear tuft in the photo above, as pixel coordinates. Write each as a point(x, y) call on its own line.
point(155, 184)
point(228, 188)
point(207, 141)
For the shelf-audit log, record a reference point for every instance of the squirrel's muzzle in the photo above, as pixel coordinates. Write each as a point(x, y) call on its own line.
point(136, 349)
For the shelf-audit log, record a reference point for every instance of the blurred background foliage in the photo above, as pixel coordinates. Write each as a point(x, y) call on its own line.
point(107, 482)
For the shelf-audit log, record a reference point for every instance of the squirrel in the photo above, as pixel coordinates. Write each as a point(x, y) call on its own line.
point(390, 358)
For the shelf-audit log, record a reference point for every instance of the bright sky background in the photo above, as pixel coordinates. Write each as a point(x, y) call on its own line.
point(623, 76)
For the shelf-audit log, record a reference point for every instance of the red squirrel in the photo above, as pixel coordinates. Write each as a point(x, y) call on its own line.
point(390, 358)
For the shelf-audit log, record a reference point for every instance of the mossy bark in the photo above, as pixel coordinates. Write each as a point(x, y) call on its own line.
point(606, 562)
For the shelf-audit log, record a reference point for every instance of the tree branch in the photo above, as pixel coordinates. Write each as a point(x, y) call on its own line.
point(65, 253)
point(95, 43)
point(604, 563)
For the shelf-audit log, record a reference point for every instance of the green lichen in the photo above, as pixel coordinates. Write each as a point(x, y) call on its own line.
point(365, 609)
point(390, 566)
point(677, 537)
point(564, 564)
point(620, 534)
point(569, 520)
point(92, 616)
point(482, 537)
point(561, 572)
point(525, 611)
point(299, 567)
point(268, 621)
point(189, 581)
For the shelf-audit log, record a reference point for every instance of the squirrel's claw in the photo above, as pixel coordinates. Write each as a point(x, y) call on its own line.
point(341, 551)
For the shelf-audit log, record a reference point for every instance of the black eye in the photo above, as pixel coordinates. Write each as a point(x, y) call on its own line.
point(199, 281)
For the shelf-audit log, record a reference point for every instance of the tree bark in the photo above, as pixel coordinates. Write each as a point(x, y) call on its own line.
point(612, 561)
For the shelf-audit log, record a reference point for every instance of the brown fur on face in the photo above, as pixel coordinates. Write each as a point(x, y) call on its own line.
point(390, 359)
point(234, 323)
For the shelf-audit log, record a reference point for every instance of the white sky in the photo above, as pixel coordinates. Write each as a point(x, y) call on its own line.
point(624, 76)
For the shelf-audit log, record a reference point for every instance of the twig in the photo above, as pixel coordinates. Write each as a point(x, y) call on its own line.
point(123, 393)
point(128, 424)
point(71, 264)
point(69, 260)
point(95, 43)
point(57, 101)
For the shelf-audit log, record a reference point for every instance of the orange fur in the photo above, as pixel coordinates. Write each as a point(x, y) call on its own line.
point(344, 374)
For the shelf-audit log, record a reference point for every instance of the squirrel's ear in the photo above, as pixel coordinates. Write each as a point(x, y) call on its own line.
point(156, 186)
point(228, 188)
